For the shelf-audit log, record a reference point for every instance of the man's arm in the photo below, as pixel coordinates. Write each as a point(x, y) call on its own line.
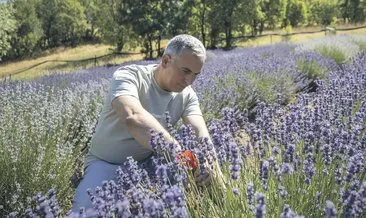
point(199, 125)
point(139, 122)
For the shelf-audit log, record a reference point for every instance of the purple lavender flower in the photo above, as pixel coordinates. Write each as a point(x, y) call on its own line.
point(250, 194)
point(338, 175)
point(287, 168)
point(288, 213)
point(361, 199)
point(264, 171)
point(282, 191)
point(330, 210)
point(123, 208)
point(174, 199)
point(349, 205)
point(236, 191)
point(289, 154)
point(235, 161)
point(162, 174)
point(318, 198)
point(355, 164)
point(261, 206)
point(152, 207)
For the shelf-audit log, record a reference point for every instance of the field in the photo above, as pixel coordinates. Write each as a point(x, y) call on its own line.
point(287, 121)
point(90, 51)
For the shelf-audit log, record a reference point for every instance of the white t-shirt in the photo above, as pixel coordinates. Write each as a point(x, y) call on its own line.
point(111, 141)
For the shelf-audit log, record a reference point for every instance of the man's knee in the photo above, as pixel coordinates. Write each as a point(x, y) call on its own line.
point(95, 174)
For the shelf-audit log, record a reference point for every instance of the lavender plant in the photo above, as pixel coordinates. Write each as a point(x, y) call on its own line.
point(306, 158)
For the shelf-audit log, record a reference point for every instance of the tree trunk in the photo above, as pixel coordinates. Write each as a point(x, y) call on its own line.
point(261, 27)
point(213, 35)
point(228, 35)
point(254, 27)
point(202, 15)
point(119, 46)
point(150, 48)
point(159, 39)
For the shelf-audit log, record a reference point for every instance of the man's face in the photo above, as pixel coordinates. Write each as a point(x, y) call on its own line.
point(182, 71)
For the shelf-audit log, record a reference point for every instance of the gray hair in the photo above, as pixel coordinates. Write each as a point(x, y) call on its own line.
point(183, 42)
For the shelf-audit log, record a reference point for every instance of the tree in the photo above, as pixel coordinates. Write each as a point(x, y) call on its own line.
point(295, 13)
point(345, 9)
point(252, 15)
point(323, 12)
point(151, 19)
point(223, 17)
point(215, 22)
point(63, 22)
point(145, 19)
point(274, 11)
point(92, 15)
point(353, 10)
point(198, 21)
point(7, 28)
point(29, 29)
point(230, 20)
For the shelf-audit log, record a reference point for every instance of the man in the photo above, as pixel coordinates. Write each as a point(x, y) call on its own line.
point(136, 103)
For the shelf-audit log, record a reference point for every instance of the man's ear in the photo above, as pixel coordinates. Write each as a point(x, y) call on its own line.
point(165, 60)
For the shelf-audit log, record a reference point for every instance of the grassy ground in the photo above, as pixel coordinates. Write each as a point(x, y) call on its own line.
point(297, 38)
point(91, 51)
point(78, 53)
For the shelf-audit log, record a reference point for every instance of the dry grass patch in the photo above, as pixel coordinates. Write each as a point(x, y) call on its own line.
point(267, 40)
point(19, 69)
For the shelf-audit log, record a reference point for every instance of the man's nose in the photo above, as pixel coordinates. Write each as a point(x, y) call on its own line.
point(189, 80)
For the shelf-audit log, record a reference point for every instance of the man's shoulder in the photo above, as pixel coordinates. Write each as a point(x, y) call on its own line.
point(146, 69)
point(135, 70)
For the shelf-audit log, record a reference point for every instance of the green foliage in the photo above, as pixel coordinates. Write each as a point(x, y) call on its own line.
point(114, 26)
point(249, 88)
point(324, 12)
point(7, 28)
point(198, 22)
point(41, 145)
point(286, 33)
point(332, 52)
point(63, 22)
point(353, 10)
point(312, 69)
point(360, 43)
point(92, 15)
point(43, 24)
point(253, 16)
point(29, 30)
point(275, 11)
point(267, 87)
point(295, 13)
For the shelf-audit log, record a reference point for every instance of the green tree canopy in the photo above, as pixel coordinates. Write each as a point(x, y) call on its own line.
point(63, 22)
point(29, 29)
point(7, 28)
point(296, 13)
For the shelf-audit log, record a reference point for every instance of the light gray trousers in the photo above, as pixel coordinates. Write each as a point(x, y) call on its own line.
point(94, 174)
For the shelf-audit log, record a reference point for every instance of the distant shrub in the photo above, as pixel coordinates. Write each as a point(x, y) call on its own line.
point(332, 52)
point(311, 68)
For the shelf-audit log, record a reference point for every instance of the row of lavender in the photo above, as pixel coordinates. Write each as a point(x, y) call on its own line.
point(307, 158)
point(47, 122)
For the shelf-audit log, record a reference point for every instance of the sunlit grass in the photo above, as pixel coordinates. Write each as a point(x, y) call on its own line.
point(67, 67)
point(97, 50)
point(268, 40)
point(65, 53)
point(61, 53)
